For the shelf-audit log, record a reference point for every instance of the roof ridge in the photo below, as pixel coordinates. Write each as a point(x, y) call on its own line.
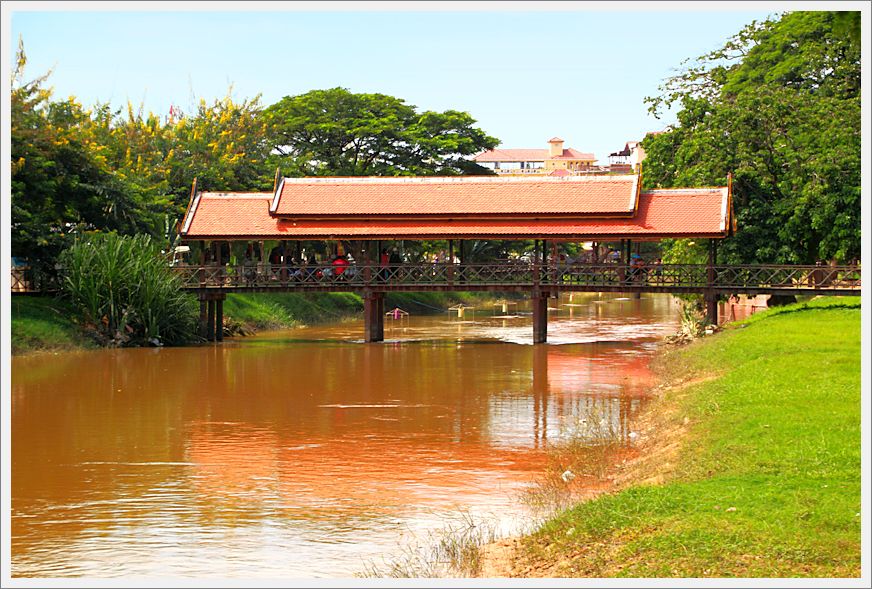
point(685, 190)
point(455, 179)
point(237, 194)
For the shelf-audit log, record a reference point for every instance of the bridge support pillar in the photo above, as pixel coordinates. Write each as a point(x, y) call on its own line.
point(210, 321)
point(219, 320)
point(203, 316)
point(374, 317)
point(711, 308)
point(211, 324)
point(540, 317)
point(711, 298)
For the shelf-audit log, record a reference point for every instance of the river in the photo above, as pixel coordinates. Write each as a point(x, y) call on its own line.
point(307, 453)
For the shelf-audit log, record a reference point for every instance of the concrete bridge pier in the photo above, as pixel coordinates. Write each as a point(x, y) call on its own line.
point(539, 302)
point(374, 317)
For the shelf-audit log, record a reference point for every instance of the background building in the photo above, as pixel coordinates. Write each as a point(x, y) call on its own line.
point(555, 160)
point(628, 159)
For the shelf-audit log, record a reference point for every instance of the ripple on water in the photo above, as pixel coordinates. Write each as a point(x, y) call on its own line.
point(284, 455)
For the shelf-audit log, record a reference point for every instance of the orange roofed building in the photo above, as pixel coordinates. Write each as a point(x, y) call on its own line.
point(556, 160)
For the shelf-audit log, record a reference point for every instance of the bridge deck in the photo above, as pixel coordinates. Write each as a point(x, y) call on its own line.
point(665, 278)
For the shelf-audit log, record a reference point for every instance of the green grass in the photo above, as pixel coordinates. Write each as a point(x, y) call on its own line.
point(44, 323)
point(767, 481)
point(278, 310)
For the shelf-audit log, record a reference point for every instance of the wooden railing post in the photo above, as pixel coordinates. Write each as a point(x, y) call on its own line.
point(450, 273)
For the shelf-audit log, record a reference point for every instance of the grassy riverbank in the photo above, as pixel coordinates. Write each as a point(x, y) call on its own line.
point(280, 310)
point(750, 462)
point(45, 323)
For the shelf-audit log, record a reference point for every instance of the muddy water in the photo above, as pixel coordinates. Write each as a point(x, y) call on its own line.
point(307, 453)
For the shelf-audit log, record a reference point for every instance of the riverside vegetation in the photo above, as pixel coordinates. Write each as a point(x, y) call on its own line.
point(119, 290)
point(126, 293)
point(748, 466)
point(52, 324)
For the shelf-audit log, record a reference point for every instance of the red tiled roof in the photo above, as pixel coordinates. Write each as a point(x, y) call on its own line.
point(530, 155)
point(560, 172)
point(574, 154)
point(230, 213)
point(689, 212)
point(555, 139)
point(512, 155)
point(455, 196)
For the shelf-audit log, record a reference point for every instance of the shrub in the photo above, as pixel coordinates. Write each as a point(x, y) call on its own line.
point(126, 291)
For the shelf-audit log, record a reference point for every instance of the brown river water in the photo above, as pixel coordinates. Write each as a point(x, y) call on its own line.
point(307, 453)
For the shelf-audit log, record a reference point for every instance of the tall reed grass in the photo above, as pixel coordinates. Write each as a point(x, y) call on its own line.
point(126, 292)
point(576, 462)
point(454, 550)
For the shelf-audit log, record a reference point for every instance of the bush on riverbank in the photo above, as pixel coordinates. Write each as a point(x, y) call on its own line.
point(765, 480)
point(126, 293)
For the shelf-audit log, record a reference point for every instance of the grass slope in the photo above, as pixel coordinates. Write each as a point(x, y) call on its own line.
point(767, 480)
point(44, 323)
point(277, 310)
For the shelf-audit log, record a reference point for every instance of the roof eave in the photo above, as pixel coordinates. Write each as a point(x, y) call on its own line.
point(278, 194)
point(190, 216)
point(473, 235)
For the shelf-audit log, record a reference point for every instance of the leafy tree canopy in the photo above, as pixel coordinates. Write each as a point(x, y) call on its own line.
point(76, 169)
point(337, 132)
point(779, 106)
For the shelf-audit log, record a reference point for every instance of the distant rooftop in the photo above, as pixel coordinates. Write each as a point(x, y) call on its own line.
point(534, 155)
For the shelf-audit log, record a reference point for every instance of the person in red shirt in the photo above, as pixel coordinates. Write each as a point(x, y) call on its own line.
point(384, 260)
point(339, 265)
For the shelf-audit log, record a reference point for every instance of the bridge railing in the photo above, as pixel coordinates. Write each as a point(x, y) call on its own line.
point(662, 276)
point(265, 276)
point(788, 276)
point(27, 279)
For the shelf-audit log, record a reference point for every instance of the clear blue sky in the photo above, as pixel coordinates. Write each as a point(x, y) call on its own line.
point(524, 76)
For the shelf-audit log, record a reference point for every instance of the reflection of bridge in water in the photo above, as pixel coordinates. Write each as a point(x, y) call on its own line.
point(601, 411)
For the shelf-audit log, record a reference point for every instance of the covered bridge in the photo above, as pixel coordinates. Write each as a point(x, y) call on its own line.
point(363, 211)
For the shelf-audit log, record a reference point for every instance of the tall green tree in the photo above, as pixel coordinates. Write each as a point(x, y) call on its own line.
point(224, 145)
point(337, 132)
point(779, 106)
point(60, 181)
point(75, 169)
